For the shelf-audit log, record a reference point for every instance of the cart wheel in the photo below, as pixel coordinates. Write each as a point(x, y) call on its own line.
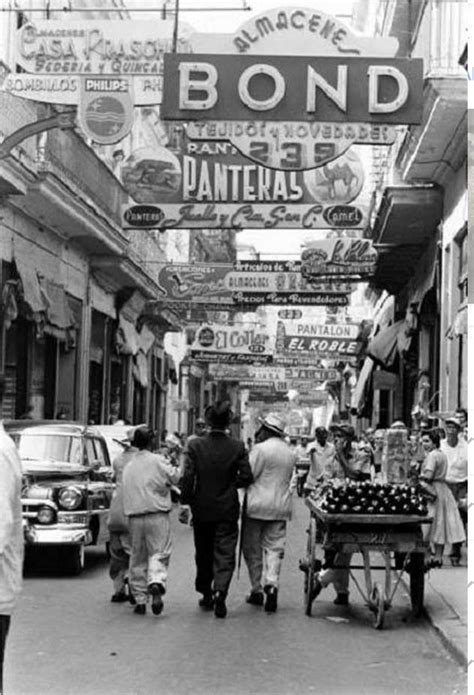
point(417, 583)
point(378, 601)
point(311, 568)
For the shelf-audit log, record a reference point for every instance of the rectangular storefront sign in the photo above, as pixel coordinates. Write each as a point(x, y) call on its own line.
point(215, 342)
point(292, 88)
point(230, 358)
point(342, 257)
point(244, 283)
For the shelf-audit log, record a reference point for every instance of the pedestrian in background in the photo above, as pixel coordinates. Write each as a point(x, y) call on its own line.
point(119, 532)
point(215, 465)
point(324, 465)
point(11, 533)
point(447, 526)
point(147, 481)
point(268, 509)
point(199, 430)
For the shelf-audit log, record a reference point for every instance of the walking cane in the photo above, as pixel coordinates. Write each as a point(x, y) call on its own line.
point(242, 522)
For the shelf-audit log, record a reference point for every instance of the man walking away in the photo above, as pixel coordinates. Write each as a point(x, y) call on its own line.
point(11, 532)
point(269, 503)
point(119, 535)
point(147, 481)
point(215, 465)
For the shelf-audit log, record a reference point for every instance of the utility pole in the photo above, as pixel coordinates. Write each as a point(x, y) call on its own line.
point(175, 27)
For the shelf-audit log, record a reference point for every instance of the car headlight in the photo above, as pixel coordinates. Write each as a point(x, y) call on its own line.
point(70, 498)
point(46, 515)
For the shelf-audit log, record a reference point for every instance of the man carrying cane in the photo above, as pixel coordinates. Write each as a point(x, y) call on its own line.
point(268, 509)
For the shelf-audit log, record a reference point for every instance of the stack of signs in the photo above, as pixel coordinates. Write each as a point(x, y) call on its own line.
point(318, 339)
point(231, 344)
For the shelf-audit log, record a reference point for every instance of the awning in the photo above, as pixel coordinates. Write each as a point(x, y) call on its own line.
point(424, 278)
point(388, 342)
point(133, 307)
point(145, 339)
point(32, 293)
point(58, 311)
point(359, 393)
point(127, 337)
point(140, 369)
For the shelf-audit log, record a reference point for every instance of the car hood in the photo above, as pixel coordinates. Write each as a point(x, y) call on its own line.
point(54, 469)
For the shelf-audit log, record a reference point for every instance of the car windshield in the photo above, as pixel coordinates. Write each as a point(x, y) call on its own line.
point(52, 447)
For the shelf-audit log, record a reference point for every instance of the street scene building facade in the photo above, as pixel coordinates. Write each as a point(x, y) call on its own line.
point(250, 228)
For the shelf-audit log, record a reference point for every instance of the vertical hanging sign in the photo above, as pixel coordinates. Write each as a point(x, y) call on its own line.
point(105, 111)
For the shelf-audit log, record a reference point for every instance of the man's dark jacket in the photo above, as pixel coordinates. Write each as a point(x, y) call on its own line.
point(215, 465)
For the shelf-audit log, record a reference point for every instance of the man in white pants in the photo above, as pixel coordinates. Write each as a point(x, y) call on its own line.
point(147, 481)
point(268, 509)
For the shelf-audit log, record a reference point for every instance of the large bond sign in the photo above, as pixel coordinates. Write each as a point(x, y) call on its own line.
point(286, 88)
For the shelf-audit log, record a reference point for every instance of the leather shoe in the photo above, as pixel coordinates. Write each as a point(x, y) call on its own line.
point(342, 600)
point(255, 598)
point(156, 590)
point(206, 602)
point(119, 597)
point(140, 609)
point(271, 600)
point(220, 609)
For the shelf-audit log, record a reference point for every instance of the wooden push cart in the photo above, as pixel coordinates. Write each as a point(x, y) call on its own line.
point(397, 538)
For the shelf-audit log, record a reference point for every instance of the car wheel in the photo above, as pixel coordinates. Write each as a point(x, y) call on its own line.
point(75, 559)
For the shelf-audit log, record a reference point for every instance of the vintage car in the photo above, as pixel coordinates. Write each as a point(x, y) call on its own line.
point(67, 486)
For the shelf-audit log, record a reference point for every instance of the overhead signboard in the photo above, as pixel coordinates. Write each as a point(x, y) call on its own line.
point(309, 373)
point(55, 54)
point(211, 185)
point(242, 372)
point(295, 31)
point(233, 344)
point(320, 329)
point(292, 88)
point(105, 111)
point(246, 283)
point(333, 346)
point(343, 257)
point(294, 145)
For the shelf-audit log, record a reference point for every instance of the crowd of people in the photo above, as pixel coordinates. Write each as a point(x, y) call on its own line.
point(204, 473)
point(218, 481)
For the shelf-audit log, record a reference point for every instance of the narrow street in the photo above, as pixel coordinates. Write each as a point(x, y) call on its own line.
point(68, 639)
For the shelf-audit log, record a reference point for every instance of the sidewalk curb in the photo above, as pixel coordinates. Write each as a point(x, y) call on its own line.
point(449, 642)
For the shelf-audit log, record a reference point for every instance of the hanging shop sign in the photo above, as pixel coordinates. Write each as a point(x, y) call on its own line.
point(294, 145)
point(229, 372)
point(211, 185)
point(292, 88)
point(319, 375)
point(342, 257)
point(105, 111)
point(295, 31)
point(328, 341)
point(238, 344)
point(314, 399)
point(344, 331)
point(246, 283)
point(54, 54)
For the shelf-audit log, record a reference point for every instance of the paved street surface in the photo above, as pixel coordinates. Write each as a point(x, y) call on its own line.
point(67, 638)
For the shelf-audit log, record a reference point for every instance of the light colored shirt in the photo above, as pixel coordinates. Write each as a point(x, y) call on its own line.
point(323, 463)
point(11, 529)
point(457, 460)
point(269, 497)
point(146, 484)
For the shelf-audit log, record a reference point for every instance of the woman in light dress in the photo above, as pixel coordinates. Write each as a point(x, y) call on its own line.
point(447, 526)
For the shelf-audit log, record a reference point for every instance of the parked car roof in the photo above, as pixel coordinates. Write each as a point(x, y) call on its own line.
point(48, 426)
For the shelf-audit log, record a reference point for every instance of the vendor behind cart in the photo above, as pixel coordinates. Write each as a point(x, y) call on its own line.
point(355, 467)
point(324, 464)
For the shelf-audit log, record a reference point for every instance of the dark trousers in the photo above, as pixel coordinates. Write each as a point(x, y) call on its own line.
point(4, 625)
point(215, 543)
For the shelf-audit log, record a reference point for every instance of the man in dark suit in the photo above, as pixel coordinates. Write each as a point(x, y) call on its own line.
point(214, 466)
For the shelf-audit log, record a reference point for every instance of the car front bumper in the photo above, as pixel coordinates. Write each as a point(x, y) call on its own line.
point(36, 534)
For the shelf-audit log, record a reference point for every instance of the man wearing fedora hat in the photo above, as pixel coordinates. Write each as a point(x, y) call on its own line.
point(268, 509)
